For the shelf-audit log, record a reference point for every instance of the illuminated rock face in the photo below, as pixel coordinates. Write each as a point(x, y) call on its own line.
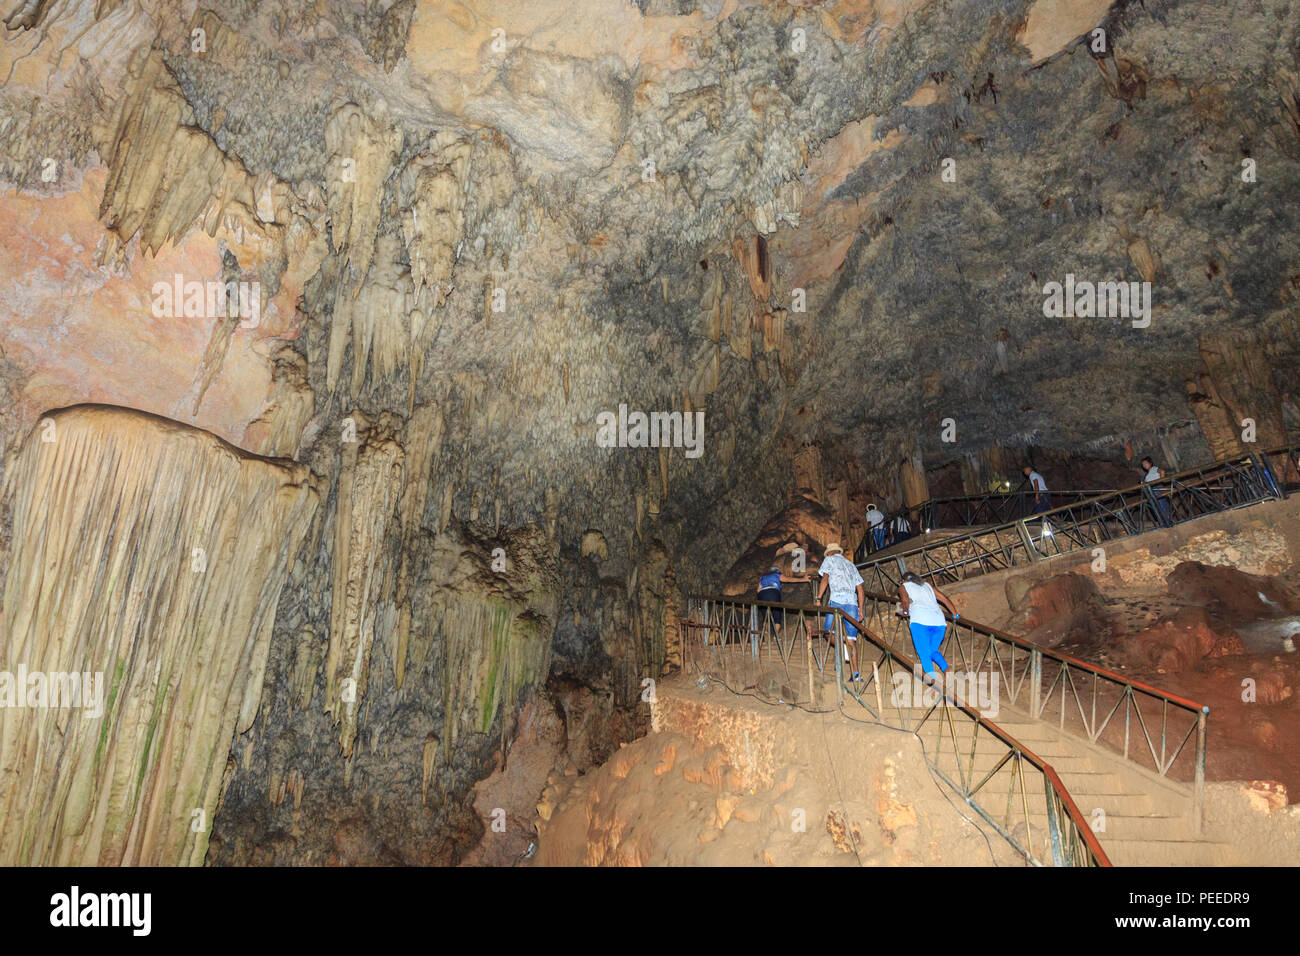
point(473, 227)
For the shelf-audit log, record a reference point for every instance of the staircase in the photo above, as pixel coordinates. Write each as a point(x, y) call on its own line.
point(1147, 821)
point(1089, 782)
point(1139, 819)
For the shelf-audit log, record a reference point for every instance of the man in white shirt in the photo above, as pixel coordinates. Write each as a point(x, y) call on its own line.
point(900, 528)
point(1154, 474)
point(876, 526)
point(1042, 500)
point(841, 578)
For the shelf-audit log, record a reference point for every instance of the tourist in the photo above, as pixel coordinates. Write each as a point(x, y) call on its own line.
point(876, 526)
point(1042, 500)
point(1152, 474)
point(900, 529)
point(920, 603)
point(845, 584)
point(769, 584)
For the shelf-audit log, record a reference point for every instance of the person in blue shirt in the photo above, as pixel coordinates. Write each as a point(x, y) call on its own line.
point(769, 584)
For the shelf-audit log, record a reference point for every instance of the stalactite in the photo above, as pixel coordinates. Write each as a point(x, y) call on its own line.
point(432, 192)
point(166, 174)
point(424, 433)
point(493, 647)
point(154, 554)
point(369, 485)
point(363, 147)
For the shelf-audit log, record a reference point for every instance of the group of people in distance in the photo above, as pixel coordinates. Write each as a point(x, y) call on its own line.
point(840, 581)
point(887, 531)
point(1043, 500)
point(920, 602)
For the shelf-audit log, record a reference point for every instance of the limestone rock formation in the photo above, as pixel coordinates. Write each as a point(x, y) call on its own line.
point(420, 249)
point(136, 542)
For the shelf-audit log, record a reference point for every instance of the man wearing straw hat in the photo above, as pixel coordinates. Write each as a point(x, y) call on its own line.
point(842, 579)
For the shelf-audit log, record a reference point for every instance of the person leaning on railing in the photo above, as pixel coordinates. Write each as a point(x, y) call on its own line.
point(769, 584)
point(842, 578)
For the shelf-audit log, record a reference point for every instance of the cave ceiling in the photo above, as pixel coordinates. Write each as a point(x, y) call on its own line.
point(824, 222)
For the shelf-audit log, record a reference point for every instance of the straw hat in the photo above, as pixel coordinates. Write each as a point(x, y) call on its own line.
point(833, 547)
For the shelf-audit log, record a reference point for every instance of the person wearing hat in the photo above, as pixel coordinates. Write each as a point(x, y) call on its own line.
point(769, 584)
point(842, 579)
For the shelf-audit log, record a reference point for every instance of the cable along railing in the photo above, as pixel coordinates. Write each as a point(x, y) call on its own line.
point(748, 645)
point(1086, 524)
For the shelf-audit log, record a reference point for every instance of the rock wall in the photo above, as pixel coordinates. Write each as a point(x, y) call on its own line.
point(149, 559)
point(468, 230)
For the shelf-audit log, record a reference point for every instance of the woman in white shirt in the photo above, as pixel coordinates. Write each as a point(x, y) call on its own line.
point(921, 603)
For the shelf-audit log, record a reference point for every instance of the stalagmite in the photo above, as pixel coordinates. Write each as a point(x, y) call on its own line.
point(151, 554)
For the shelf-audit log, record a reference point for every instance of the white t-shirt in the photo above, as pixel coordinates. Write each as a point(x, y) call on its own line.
point(1152, 475)
point(874, 518)
point(844, 578)
point(924, 607)
point(1036, 481)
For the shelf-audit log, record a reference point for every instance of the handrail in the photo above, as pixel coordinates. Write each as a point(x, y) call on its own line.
point(1077, 662)
point(1132, 508)
point(930, 514)
point(1077, 836)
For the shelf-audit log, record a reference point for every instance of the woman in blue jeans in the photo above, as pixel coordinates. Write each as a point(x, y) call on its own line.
point(921, 603)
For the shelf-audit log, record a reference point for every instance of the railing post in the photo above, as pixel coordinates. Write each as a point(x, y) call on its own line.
point(839, 657)
point(1265, 468)
point(1149, 492)
point(807, 636)
point(1027, 540)
point(1053, 822)
point(1035, 682)
point(1199, 798)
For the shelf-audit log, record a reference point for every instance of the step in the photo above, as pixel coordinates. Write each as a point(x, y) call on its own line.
point(1124, 852)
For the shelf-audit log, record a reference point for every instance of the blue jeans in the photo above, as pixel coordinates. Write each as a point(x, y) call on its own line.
point(926, 638)
point(878, 536)
point(1162, 502)
point(849, 608)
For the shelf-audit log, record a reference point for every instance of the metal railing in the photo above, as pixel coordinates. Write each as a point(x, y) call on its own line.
point(963, 511)
point(997, 507)
point(1283, 464)
point(1148, 727)
point(747, 644)
point(1086, 524)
